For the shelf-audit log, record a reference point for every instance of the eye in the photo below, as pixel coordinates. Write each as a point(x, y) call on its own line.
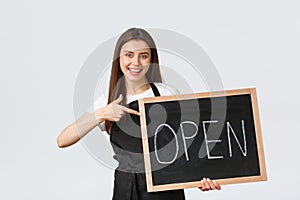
point(129, 55)
point(144, 56)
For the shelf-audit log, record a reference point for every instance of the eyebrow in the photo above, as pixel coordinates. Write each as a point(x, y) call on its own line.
point(133, 52)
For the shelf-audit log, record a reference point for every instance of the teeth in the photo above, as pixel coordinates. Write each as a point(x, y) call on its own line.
point(135, 70)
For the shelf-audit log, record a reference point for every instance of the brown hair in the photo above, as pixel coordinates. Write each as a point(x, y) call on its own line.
point(116, 83)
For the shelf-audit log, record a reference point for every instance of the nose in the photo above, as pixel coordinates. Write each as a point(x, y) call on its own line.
point(136, 61)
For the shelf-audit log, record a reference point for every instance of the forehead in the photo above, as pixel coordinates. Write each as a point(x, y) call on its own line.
point(135, 45)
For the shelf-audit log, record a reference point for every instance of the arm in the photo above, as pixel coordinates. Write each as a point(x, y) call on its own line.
point(75, 131)
point(78, 129)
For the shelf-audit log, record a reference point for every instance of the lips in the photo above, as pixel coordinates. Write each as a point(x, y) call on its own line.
point(135, 70)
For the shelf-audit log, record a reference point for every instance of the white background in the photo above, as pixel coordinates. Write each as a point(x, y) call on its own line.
point(44, 44)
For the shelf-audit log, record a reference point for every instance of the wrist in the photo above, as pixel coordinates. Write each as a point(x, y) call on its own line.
point(100, 115)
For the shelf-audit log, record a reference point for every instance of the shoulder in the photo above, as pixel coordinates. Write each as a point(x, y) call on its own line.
point(166, 90)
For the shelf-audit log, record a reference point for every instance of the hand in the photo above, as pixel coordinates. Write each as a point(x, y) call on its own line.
point(207, 184)
point(114, 111)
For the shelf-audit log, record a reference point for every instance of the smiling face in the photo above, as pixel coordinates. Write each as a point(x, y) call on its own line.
point(135, 58)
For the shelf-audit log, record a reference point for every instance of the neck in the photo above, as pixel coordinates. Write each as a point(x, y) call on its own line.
point(136, 87)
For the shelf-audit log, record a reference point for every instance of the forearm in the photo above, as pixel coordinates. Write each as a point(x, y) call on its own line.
point(75, 131)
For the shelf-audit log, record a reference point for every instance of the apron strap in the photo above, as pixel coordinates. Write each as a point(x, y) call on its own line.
point(154, 89)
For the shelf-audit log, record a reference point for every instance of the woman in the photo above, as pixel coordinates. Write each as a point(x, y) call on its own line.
point(135, 74)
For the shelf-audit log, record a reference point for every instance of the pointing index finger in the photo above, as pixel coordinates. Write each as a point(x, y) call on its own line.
point(131, 111)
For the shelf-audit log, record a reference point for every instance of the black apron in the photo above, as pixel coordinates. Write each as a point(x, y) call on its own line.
point(130, 180)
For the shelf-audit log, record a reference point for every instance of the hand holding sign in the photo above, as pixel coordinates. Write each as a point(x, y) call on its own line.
point(207, 184)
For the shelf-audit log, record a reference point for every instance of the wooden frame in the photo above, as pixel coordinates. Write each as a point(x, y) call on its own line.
point(251, 91)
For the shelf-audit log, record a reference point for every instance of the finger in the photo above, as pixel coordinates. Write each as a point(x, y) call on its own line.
point(119, 100)
point(211, 184)
point(116, 119)
point(206, 184)
point(122, 113)
point(118, 116)
point(202, 186)
point(217, 185)
point(131, 111)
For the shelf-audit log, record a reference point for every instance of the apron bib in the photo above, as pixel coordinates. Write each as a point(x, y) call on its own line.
point(130, 180)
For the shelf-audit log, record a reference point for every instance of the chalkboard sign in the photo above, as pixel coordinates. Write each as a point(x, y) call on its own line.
point(213, 134)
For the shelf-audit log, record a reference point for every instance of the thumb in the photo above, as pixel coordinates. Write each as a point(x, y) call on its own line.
point(119, 100)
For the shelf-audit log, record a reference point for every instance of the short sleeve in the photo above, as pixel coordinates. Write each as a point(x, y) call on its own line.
point(166, 90)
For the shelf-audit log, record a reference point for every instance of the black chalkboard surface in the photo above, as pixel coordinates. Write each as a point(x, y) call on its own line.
point(188, 137)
